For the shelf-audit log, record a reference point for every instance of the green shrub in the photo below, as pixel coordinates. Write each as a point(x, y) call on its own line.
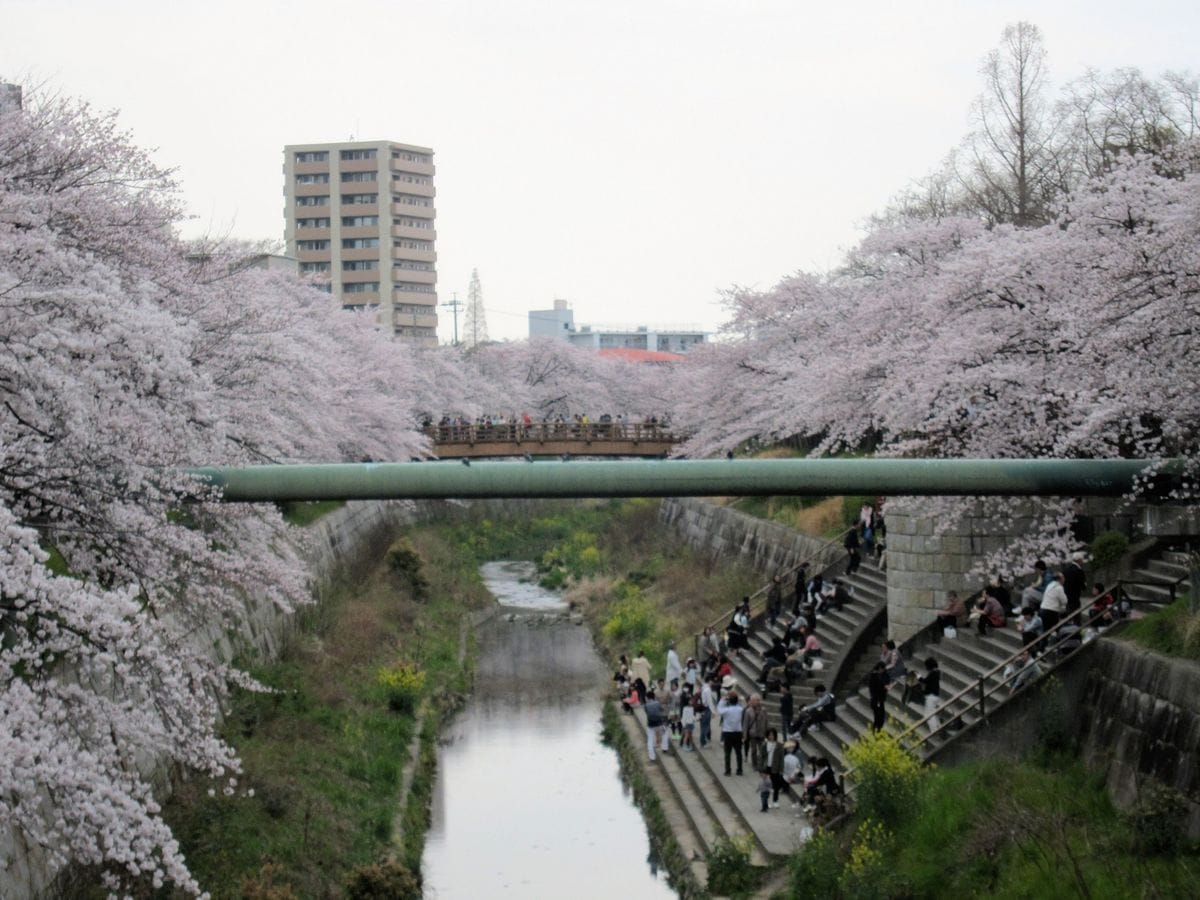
point(633, 621)
point(403, 684)
point(405, 565)
point(730, 873)
point(383, 881)
point(1158, 823)
point(1108, 548)
point(867, 875)
point(887, 776)
point(815, 869)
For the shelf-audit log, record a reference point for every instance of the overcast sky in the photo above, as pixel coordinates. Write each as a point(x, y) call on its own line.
point(631, 156)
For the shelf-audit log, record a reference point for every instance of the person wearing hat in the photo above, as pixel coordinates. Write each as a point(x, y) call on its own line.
point(730, 711)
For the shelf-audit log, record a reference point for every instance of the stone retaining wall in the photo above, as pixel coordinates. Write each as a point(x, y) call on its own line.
point(721, 532)
point(1139, 720)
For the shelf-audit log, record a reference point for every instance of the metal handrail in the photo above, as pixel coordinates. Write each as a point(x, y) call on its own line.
point(762, 591)
point(980, 686)
point(518, 432)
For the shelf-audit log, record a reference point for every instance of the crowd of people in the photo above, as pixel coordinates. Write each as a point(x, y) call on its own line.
point(698, 706)
point(524, 425)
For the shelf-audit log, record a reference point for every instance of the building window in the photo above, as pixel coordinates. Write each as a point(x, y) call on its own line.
point(409, 156)
point(312, 245)
point(323, 178)
point(323, 200)
point(412, 244)
point(312, 156)
point(361, 287)
point(312, 223)
point(412, 200)
point(359, 243)
point(359, 221)
point(413, 264)
point(414, 287)
point(411, 178)
point(309, 268)
point(358, 176)
point(413, 223)
point(360, 265)
point(324, 288)
point(358, 154)
point(359, 198)
point(413, 309)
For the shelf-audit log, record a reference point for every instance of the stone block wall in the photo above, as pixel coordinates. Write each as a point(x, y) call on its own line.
point(1139, 721)
point(721, 532)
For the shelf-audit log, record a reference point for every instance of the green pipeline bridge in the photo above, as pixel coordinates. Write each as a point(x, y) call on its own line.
point(698, 478)
point(552, 439)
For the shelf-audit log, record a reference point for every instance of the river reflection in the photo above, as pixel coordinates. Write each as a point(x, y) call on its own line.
point(528, 802)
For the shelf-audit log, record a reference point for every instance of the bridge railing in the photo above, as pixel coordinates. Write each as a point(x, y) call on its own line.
point(542, 432)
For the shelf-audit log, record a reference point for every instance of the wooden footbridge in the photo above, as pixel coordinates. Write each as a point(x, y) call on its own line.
point(552, 439)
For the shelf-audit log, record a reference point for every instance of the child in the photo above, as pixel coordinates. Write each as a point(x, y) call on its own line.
point(687, 719)
point(764, 789)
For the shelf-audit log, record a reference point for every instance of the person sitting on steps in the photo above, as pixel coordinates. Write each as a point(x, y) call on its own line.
point(822, 709)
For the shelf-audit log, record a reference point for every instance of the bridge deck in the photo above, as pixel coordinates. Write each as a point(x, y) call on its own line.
point(551, 439)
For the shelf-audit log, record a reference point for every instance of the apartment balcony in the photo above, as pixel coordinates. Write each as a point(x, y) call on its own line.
point(408, 187)
point(405, 165)
point(357, 165)
point(310, 168)
point(356, 253)
point(308, 234)
point(420, 234)
point(310, 190)
point(414, 320)
point(359, 209)
point(359, 277)
point(313, 255)
point(417, 276)
point(413, 211)
point(359, 231)
point(417, 297)
point(429, 256)
point(366, 298)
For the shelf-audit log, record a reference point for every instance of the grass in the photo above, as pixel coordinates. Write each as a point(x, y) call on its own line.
point(1173, 630)
point(1014, 830)
point(324, 754)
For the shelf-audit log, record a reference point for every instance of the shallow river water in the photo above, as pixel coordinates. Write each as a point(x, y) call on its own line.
point(528, 802)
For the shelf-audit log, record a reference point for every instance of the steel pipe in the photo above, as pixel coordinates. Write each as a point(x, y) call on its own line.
point(690, 478)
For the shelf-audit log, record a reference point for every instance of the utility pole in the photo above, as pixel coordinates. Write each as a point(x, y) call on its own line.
point(455, 306)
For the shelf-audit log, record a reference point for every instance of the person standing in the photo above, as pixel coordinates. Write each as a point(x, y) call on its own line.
point(640, 668)
point(674, 666)
point(931, 687)
point(754, 730)
point(730, 711)
point(774, 600)
point(656, 725)
point(708, 709)
point(1054, 602)
point(773, 754)
point(877, 688)
point(787, 706)
point(764, 789)
point(1074, 581)
point(853, 555)
point(800, 588)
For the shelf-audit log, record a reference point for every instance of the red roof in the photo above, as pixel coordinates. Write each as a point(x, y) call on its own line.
point(632, 355)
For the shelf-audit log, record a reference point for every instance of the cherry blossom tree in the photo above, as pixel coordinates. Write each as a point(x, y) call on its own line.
point(125, 355)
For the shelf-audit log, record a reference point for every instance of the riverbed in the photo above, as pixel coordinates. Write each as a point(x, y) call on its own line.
point(528, 801)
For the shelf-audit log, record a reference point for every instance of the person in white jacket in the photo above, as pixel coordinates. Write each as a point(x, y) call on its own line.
point(674, 666)
point(1054, 602)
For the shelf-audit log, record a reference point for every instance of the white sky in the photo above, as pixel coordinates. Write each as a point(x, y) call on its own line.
point(631, 156)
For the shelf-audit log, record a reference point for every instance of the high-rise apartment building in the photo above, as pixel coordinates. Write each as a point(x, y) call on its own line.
point(363, 214)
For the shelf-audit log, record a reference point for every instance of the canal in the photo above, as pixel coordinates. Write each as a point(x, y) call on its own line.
point(529, 802)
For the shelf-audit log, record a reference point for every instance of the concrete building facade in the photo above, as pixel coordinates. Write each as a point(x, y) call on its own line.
point(560, 322)
point(362, 215)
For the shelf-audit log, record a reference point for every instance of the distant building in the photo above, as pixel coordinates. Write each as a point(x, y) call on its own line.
point(362, 213)
point(560, 322)
point(10, 97)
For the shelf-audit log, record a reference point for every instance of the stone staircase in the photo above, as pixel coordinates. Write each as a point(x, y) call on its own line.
point(1150, 584)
